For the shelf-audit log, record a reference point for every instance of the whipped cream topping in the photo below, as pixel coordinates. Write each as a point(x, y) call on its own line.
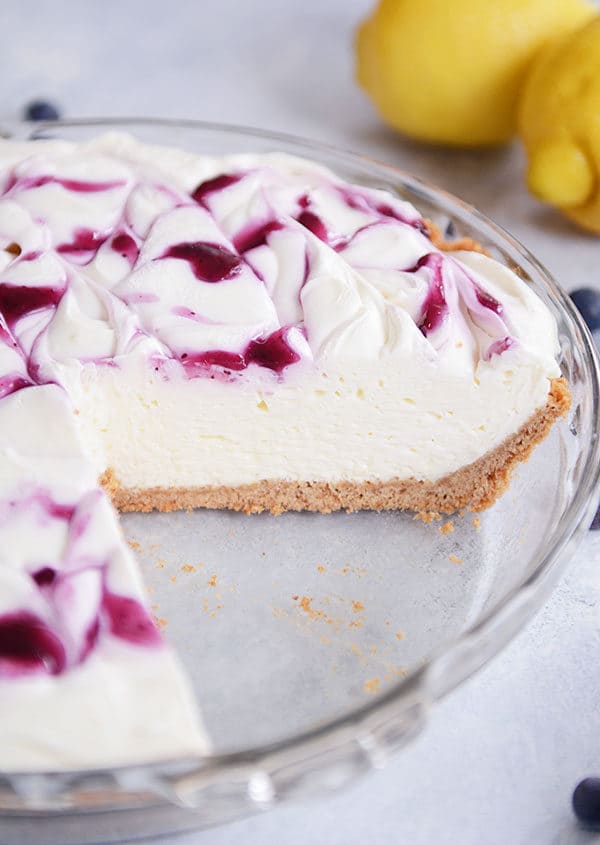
point(133, 277)
point(271, 262)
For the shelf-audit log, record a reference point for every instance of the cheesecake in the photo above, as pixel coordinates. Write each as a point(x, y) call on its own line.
point(247, 332)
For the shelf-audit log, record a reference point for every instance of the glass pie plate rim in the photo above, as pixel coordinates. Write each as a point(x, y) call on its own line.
point(310, 763)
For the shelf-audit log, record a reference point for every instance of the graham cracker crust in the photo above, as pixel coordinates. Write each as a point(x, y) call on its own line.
point(438, 240)
point(476, 486)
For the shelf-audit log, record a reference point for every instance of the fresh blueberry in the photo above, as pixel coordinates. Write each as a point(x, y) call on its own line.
point(41, 110)
point(586, 802)
point(587, 301)
point(595, 521)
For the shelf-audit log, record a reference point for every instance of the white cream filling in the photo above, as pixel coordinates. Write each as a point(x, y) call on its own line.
point(359, 425)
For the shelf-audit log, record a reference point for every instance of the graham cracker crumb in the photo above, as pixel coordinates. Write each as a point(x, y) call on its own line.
point(357, 606)
point(306, 606)
point(477, 523)
point(399, 635)
point(395, 672)
point(427, 516)
point(212, 581)
point(372, 685)
point(321, 568)
point(187, 567)
point(437, 239)
point(454, 559)
point(133, 544)
point(447, 527)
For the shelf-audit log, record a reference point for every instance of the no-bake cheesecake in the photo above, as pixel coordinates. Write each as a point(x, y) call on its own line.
point(246, 332)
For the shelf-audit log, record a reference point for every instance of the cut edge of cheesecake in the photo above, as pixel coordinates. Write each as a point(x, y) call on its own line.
point(475, 486)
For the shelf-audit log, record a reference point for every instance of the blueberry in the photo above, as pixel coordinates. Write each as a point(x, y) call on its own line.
point(595, 521)
point(587, 301)
point(41, 110)
point(586, 802)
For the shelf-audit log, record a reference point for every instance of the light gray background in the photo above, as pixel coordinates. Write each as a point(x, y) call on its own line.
point(497, 764)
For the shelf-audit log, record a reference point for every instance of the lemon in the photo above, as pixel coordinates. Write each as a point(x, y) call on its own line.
point(450, 72)
point(559, 122)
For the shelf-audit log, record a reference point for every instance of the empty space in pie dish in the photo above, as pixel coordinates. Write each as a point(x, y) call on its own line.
point(287, 622)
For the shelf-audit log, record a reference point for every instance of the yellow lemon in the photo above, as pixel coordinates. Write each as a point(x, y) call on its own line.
point(450, 72)
point(559, 122)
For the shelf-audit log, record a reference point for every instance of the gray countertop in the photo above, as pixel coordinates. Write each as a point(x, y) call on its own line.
point(500, 756)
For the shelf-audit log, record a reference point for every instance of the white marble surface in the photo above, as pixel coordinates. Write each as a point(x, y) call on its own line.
point(499, 760)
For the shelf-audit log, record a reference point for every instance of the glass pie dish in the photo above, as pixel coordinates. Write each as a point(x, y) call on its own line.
point(317, 643)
